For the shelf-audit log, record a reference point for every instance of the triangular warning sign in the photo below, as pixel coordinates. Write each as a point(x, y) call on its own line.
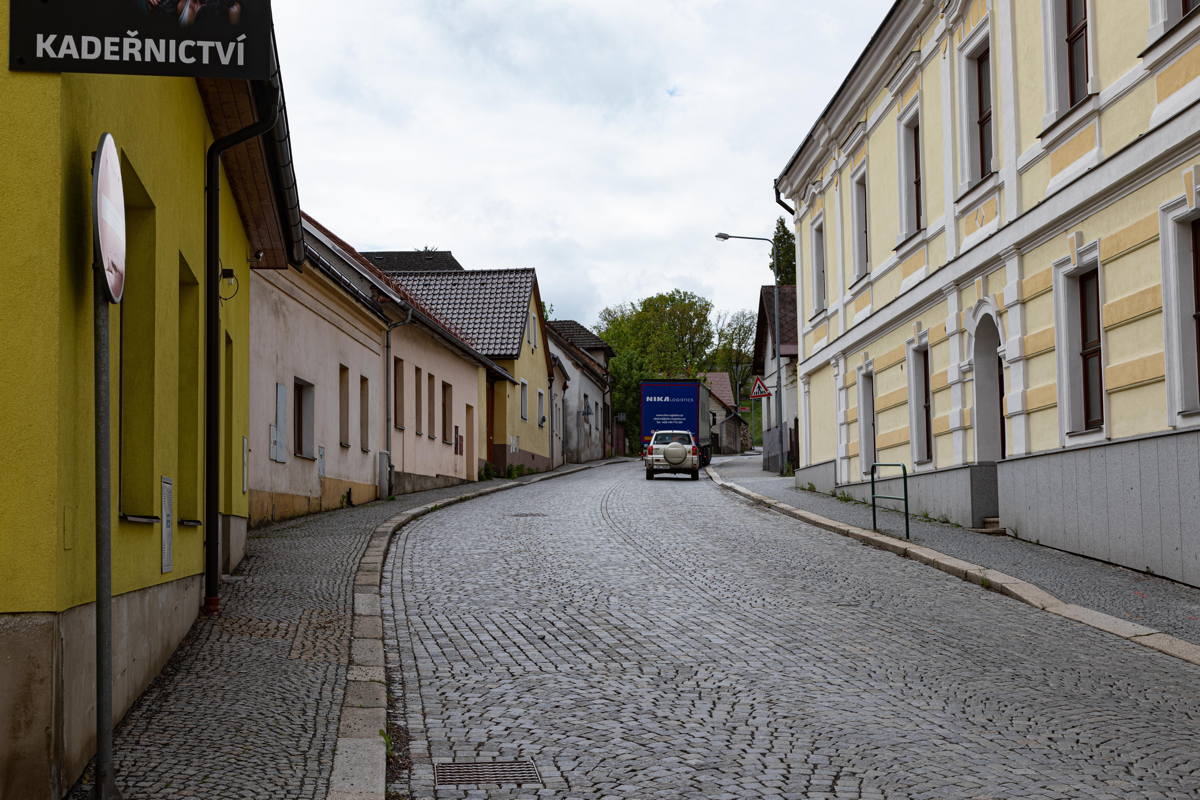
point(760, 390)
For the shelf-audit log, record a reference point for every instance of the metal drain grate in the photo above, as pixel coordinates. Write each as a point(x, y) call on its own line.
point(486, 772)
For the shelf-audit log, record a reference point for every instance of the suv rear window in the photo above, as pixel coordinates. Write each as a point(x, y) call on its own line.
point(672, 438)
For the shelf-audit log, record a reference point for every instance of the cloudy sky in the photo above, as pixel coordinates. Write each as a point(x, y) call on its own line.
point(603, 142)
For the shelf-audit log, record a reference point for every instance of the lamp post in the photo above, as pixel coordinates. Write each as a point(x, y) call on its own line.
point(778, 354)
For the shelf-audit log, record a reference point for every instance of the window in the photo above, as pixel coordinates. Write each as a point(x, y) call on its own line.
point(364, 413)
point(1180, 237)
point(398, 393)
point(344, 405)
point(1077, 53)
point(279, 427)
point(818, 259)
point(983, 116)
point(862, 236)
point(418, 405)
point(921, 401)
point(587, 404)
point(303, 442)
point(431, 407)
point(447, 412)
point(1196, 299)
point(1090, 353)
point(524, 400)
point(911, 200)
point(541, 409)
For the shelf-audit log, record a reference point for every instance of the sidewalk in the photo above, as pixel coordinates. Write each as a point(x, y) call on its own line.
point(249, 704)
point(1148, 600)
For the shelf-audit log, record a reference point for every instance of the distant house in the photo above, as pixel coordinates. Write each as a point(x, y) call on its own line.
point(586, 401)
point(731, 432)
point(357, 391)
point(498, 312)
point(768, 364)
point(414, 260)
point(599, 352)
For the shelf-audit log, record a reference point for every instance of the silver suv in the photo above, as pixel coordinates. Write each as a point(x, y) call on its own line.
point(675, 452)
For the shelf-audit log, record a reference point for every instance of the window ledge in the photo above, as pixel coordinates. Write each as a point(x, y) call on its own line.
point(190, 523)
point(401, 428)
point(859, 282)
point(433, 436)
point(1069, 120)
point(365, 449)
point(819, 316)
point(904, 247)
point(141, 519)
point(1190, 412)
point(345, 445)
point(922, 462)
point(976, 192)
point(304, 457)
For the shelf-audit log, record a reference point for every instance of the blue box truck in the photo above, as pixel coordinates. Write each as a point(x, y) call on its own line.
point(677, 405)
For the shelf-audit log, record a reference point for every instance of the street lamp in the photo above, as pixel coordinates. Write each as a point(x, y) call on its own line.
point(778, 353)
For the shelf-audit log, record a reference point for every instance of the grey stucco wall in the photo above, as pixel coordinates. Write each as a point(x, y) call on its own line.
point(1134, 503)
point(963, 495)
point(823, 476)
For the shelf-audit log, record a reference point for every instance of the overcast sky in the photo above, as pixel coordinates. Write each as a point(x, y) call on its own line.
point(602, 142)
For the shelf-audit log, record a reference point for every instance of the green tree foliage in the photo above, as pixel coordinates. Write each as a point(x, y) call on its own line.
point(668, 335)
point(734, 350)
point(785, 252)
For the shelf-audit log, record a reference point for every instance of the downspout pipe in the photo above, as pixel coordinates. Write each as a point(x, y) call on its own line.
point(781, 202)
point(391, 382)
point(213, 348)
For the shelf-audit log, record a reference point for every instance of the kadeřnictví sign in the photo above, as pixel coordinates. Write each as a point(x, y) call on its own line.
point(190, 38)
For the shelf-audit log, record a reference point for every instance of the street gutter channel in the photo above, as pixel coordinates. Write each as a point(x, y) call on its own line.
point(990, 579)
point(361, 753)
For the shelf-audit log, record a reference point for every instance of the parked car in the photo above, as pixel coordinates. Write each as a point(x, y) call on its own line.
point(673, 452)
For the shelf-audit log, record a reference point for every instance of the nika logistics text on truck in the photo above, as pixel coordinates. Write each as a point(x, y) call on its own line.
point(677, 405)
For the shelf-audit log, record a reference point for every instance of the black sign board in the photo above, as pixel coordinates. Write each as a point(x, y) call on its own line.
point(189, 38)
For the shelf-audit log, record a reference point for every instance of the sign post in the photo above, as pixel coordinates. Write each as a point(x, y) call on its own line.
point(108, 249)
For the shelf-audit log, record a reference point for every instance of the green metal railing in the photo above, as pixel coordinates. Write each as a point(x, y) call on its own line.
point(904, 497)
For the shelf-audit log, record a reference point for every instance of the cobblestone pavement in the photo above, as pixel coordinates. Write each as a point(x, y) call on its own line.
point(248, 705)
point(668, 639)
point(1146, 599)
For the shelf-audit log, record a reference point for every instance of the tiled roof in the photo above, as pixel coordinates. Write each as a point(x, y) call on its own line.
point(577, 354)
point(721, 386)
point(766, 317)
point(489, 306)
point(579, 336)
point(414, 260)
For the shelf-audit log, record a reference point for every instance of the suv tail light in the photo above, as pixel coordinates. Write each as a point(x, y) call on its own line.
point(694, 450)
point(650, 450)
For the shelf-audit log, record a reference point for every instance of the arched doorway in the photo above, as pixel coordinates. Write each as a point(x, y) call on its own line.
point(988, 415)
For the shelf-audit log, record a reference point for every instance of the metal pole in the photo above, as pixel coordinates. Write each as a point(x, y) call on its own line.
point(105, 787)
point(778, 368)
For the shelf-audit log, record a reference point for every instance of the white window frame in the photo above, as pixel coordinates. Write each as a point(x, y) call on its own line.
point(1054, 40)
point(524, 399)
point(860, 216)
point(820, 273)
point(866, 374)
point(1067, 345)
point(968, 102)
point(917, 348)
point(1183, 393)
point(279, 428)
point(905, 122)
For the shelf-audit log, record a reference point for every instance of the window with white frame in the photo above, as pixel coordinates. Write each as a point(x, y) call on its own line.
point(920, 399)
point(818, 262)
point(912, 218)
point(1079, 331)
point(859, 212)
point(978, 132)
point(541, 409)
point(364, 413)
point(1181, 305)
point(1070, 54)
point(304, 441)
point(524, 399)
point(866, 418)
point(1166, 14)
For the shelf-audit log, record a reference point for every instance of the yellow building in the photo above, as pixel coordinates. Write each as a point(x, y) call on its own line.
point(162, 126)
point(995, 218)
point(498, 311)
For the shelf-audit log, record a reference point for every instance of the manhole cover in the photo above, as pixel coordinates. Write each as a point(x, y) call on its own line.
point(486, 772)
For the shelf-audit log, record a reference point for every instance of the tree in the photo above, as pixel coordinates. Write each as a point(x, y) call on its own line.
point(785, 253)
point(734, 350)
point(668, 335)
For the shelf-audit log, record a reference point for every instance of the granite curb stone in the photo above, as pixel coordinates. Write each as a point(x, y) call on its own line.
point(990, 579)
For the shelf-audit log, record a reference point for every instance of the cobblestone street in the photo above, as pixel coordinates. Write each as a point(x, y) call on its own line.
point(667, 639)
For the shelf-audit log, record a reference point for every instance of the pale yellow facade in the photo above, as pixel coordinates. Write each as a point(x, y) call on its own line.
point(918, 255)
